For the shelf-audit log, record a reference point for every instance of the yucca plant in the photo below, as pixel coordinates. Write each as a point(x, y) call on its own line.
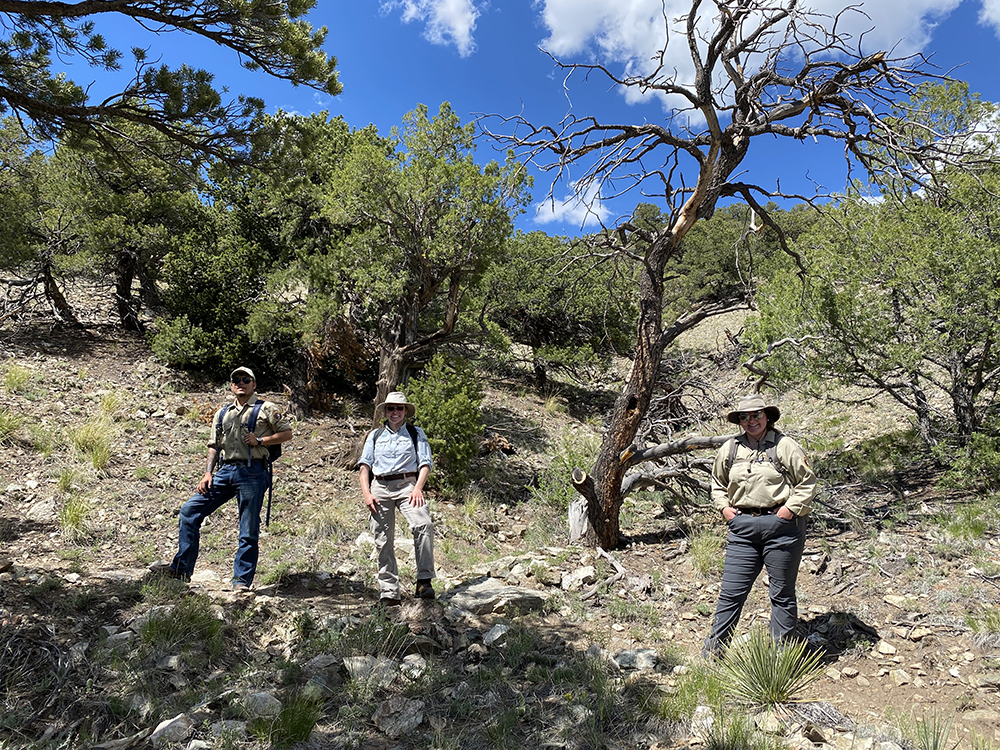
point(929, 733)
point(758, 672)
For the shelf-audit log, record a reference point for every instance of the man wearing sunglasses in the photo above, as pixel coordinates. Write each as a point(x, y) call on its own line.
point(763, 486)
point(241, 457)
point(393, 469)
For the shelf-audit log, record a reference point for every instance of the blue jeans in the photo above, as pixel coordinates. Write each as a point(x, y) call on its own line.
point(248, 484)
point(756, 542)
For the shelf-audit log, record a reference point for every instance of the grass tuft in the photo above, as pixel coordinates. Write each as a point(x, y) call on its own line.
point(10, 425)
point(736, 731)
point(93, 440)
point(293, 724)
point(73, 516)
point(707, 551)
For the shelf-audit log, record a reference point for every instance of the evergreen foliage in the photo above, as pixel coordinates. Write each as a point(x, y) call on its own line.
point(572, 309)
point(448, 396)
point(181, 104)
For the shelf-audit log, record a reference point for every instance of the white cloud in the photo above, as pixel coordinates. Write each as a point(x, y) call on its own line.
point(575, 210)
point(447, 21)
point(628, 34)
point(989, 15)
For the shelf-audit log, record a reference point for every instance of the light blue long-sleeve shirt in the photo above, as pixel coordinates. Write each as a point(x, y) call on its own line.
point(394, 453)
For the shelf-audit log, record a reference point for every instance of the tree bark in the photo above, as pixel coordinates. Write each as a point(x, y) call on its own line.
point(55, 296)
point(128, 313)
point(630, 406)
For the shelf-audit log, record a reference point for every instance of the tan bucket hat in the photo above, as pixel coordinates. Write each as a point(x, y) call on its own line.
point(396, 397)
point(754, 402)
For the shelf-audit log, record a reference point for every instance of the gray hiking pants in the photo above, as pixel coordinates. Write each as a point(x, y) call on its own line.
point(391, 495)
point(756, 542)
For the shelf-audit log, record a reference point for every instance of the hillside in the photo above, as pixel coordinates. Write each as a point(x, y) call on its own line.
point(530, 643)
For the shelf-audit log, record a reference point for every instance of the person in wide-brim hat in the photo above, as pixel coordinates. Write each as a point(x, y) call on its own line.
point(763, 486)
point(395, 398)
point(751, 403)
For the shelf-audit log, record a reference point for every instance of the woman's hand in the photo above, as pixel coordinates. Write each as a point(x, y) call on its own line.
point(784, 514)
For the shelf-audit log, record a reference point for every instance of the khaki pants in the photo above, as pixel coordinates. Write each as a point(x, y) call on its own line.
point(392, 495)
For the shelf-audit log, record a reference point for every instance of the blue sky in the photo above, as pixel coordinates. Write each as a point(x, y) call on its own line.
point(484, 57)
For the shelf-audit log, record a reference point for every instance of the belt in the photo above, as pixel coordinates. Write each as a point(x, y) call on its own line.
point(394, 477)
point(242, 461)
point(759, 511)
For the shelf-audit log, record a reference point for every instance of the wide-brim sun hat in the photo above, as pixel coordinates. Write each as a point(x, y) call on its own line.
point(754, 402)
point(245, 370)
point(396, 397)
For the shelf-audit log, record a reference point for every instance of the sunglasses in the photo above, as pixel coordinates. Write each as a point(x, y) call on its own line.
point(243, 381)
point(395, 408)
point(749, 416)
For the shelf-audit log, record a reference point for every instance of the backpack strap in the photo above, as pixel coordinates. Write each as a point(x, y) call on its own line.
point(772, 456)
point(252, 425)
point(771, 452)
point(218, 429)
point(413, 436)
point(409, 428)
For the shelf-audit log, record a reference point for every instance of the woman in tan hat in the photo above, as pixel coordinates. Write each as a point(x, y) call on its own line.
point(393, 468)
point(763, 486)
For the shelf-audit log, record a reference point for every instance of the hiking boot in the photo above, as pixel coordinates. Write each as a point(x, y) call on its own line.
point(425, 590)
point(386, 604)
point(241, 588)
point(168, 571)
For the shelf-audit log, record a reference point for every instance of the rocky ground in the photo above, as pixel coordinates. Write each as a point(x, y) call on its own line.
point(894, 599)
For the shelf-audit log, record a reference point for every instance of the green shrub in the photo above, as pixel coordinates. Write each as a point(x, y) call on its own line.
point(975, 466)
point(447, 396)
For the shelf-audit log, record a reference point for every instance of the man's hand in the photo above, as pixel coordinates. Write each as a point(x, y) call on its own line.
point(784, 514)
point(251, 439)
point(729, 513)
point(370, 502)
point(205, 484)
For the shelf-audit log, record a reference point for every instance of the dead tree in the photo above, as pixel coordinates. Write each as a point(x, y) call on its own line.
point(761, 68)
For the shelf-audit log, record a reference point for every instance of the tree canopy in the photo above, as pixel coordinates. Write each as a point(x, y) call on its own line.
point(181, 104)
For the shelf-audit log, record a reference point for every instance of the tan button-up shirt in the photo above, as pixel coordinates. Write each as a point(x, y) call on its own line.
point(754, 482)
point(270, 420)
